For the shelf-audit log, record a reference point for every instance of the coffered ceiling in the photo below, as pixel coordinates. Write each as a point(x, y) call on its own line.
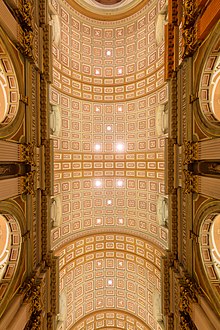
point(109, 163)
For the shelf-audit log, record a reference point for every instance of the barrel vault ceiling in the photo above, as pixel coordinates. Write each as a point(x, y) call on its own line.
point(108, 82)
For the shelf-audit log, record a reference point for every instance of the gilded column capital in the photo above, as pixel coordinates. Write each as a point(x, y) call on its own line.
point(189, 291)
point(190, 152)
point(26, 43)
point(191, 13)
point(24, 14)
point(191, 182)
point(32, 294)
point(28, 153)
point(29, 184)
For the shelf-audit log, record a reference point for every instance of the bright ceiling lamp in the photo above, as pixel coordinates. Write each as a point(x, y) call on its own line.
point(119, 147)
point(119, 183)
point(98, 183)
point(97, 147)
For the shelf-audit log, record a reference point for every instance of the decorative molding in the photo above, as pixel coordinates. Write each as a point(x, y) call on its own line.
point(24, 13)
point(191, 13)
point(26, 43)
point(33, 295)
point(191, 182)
point(173, 105)
point(28, 153)
point(174, 224)
point(189, 291)
point(190, 152)
point(29, 185)
point(169, 152)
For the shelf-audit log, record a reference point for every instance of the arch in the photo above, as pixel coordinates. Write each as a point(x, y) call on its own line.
point(207, 73)
point(11, 87)
point(208, 274)
point(124, 271)
point(13, 266)
point(110, 319)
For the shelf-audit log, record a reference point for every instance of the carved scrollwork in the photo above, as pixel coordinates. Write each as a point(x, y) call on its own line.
point(186, 322)
point(33, 295)
point(29, 183)
point(24, 14)
point(191, 182)
point(188, 295)
point(191, 13)
point(190, 151)
point(26, 44)
point(28, 153)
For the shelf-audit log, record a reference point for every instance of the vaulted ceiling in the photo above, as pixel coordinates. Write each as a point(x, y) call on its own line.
point(108, 83)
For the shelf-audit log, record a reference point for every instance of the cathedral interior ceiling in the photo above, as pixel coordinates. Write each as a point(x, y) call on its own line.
point(108, 81)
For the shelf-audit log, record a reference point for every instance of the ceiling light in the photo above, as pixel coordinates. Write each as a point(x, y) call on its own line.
point(121, 221)
point(110, 282)
point(98, 221)
point(98, 183)
point(108, 128)
point(120, 108)
point(97, 147)
point(97, 109)
point(97, 71)
point(119, 71)
point(119, 183)
point(109, 202)
point(108, 53)
point(119, 147)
